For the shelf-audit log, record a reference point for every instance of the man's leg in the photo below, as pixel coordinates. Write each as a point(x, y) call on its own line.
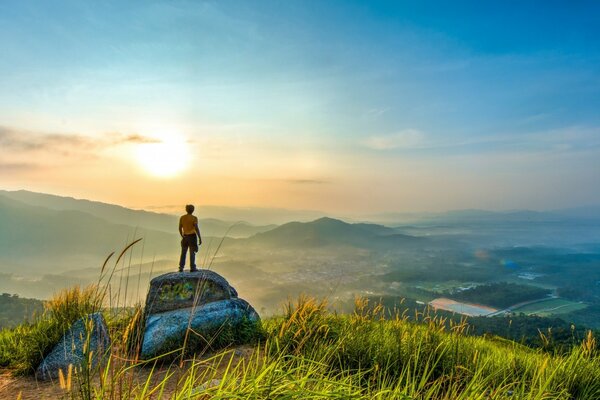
point(192, 260)
point(184, 248)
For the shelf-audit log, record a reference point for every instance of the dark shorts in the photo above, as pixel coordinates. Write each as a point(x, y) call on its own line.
point(190, 241)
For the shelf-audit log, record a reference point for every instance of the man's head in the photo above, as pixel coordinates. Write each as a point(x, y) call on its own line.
point(189, 209)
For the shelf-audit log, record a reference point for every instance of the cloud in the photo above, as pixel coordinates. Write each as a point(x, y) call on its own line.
point(377, 112)
point(563, 140)
point(307, 181)
point(136, 138)
point(405, 139)
point(16, 167)
point(23, 141)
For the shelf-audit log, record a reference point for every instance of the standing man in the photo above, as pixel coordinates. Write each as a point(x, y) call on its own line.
point(188, 228)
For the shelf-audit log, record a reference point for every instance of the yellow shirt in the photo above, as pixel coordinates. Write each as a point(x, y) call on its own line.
point(188, 222)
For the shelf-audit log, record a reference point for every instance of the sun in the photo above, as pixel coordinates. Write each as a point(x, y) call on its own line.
point(164, 156)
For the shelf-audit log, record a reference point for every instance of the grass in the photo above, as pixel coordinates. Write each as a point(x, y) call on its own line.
point(22, 348)
point(308, 353)
point(312, 353)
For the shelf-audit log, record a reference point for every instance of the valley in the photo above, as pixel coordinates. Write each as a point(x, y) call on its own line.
point(520, 267)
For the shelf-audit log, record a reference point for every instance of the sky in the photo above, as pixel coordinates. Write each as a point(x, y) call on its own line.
point(339, 106)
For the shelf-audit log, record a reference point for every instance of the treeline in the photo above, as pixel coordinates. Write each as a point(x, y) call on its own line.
point(15, 310)
point(500, 295)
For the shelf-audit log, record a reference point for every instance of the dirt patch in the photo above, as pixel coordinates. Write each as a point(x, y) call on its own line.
point(28, 387)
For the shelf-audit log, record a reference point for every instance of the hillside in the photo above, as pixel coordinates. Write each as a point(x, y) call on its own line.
point(36, 239)
point(310, 353)
point(15, 310)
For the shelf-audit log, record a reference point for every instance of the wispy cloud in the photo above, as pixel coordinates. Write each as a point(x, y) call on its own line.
point(23, 141)
point(134, 138)
point(307, 181)
point(405, 139)
point(566, 139)
point(16, 140)
point(11, 167)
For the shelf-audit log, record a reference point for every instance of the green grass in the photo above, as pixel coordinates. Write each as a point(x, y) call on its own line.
point(550, 307)
point(311, 353)
point(23, 348)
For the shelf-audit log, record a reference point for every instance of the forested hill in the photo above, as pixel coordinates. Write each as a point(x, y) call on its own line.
point(15, 310)
point(331, 232)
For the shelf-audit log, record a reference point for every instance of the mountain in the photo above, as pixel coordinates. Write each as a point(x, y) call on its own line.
point(36, 239)
point(259, 215)
point(328, 232)
point(582, 213)
point(136, 218)
point(218, 228)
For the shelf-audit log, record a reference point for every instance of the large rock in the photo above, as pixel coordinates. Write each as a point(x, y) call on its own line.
point(200, 305)
point(166, 331)
point(87, 335)
point(185, 289)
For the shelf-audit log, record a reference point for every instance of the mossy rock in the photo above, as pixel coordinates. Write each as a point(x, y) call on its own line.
point(178, 290)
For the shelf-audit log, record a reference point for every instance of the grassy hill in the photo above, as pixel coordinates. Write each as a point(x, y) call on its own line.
point(310, 353)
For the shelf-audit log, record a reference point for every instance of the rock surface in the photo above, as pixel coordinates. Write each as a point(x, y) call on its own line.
point(178, 290)
point(70, 349)
point(166, 331)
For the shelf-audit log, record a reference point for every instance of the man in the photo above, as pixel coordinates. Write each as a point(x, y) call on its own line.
point(188, 228)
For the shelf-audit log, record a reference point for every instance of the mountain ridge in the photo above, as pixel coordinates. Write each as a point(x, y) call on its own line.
point(118, 214)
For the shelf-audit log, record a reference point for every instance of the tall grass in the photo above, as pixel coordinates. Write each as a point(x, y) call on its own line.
point(306, 353)
point(310, 353)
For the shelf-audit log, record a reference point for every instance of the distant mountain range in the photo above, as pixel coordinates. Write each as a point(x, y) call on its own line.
point(36, 239)
point(40, 231)
point(582, 214)
point(134, 218)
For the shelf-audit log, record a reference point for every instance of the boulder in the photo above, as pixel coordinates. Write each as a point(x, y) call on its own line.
point(166, 331)
point(178, 290)
point(87, 335)
point(201, 305)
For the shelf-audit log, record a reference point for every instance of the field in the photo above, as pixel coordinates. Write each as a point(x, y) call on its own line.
point(550, 307)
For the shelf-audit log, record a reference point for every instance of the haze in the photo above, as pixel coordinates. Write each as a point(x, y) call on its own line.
point(344, 107)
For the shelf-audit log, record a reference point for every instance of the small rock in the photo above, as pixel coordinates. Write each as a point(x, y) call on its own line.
point(70, 349)
point(212, 383)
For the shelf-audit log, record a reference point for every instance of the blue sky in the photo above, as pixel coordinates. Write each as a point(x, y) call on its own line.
point(358, 106)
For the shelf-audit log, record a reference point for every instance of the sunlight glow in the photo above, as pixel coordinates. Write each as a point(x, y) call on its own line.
point(165, 157)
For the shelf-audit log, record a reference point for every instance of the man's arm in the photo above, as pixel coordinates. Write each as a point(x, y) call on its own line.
point(180, 228)
point(198, 232)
